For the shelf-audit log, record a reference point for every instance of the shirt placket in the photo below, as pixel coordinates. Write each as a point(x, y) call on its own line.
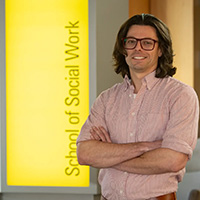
point(135, 103)
point(122, 189)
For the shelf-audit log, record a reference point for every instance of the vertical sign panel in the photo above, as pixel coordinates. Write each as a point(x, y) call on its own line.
point(47, 91)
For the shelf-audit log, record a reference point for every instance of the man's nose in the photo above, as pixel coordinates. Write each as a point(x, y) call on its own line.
point(138, 46)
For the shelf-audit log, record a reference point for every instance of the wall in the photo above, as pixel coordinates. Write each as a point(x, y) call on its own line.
point(110, 16)
point(107, 22)
point(197, 48)
point(138, 7)
point(179, 18)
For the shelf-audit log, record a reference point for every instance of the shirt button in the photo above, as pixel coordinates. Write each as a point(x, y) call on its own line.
point(133, 113)
point(121, 192)
point(130, 95)
point(131, 134)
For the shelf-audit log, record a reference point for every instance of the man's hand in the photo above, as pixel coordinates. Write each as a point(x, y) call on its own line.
point(100, 134)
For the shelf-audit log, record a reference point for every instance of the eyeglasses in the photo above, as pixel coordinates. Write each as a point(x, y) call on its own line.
point(146, 44)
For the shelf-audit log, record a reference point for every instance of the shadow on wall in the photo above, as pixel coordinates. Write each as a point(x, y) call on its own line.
point(194, 195)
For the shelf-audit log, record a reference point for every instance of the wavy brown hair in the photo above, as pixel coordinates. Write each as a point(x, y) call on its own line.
point(165, 62)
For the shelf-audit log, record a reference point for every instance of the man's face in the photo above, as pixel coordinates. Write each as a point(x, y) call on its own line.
point(138, 59)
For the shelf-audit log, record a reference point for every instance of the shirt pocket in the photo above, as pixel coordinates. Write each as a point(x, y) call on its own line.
point(152, 126)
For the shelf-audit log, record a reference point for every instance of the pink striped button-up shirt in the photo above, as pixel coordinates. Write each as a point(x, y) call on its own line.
point(164, 109)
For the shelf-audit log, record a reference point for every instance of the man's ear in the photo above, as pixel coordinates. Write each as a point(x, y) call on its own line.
point(159, 53)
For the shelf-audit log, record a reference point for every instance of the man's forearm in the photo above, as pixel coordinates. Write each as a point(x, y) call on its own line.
point(103, 155)
point(157, 161)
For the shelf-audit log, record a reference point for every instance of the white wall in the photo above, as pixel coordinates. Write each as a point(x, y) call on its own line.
point(110, 16)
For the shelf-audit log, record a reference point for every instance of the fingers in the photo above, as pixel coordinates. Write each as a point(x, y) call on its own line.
point(99, 133)
point(106, 134)
point(94, 135)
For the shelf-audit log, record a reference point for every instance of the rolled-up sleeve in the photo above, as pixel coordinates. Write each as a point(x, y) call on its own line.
point(182, 129)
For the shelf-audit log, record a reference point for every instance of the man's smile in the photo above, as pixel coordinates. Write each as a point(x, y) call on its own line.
point(138, 57)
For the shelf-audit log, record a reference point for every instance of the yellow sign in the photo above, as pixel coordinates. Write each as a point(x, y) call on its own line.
point(47, 91)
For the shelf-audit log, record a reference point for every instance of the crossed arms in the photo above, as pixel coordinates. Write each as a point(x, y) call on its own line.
point(138, 158)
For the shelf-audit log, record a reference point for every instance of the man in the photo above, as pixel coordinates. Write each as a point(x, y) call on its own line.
point(141, 132)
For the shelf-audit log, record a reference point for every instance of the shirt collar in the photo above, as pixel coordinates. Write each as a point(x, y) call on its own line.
point(127, 82)
point(149, 81)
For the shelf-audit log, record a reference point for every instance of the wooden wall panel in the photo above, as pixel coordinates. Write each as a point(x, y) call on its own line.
point(138, 7)
point(178, 15)
point(197, 48)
